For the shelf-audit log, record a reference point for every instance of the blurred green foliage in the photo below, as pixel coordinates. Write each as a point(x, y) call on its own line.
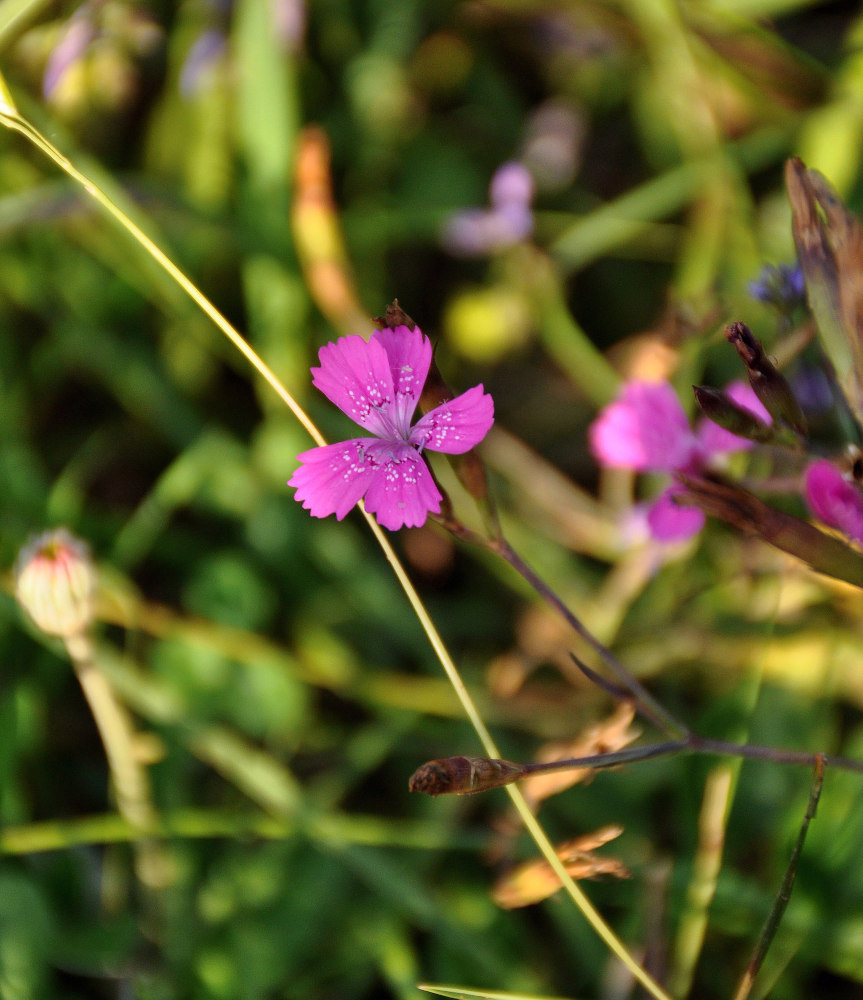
point(285, 689)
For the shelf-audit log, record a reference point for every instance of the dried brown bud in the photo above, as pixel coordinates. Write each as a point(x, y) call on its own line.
point(463, 775)
point(394, 316)
point(767, 384)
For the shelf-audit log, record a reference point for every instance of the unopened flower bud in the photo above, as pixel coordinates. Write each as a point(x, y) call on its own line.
point(768, 385)
point(722, 410)
point(55, 583)
point(463, 775)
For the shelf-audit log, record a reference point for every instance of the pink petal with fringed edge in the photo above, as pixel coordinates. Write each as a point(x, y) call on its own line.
point(334, 477)
point(402, 492)
point(645, 429)
point(834, 500)
point(355, 376)
point(670, 522)
point(456, 426)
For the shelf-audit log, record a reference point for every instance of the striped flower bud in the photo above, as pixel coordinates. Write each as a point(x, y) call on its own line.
point(463, 775)
point(55, 583)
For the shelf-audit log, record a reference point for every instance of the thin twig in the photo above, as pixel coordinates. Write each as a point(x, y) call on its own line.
point(462, 775)
point(777, 911)
point(642, 699)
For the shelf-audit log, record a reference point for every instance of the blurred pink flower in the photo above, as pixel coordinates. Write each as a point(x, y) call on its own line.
point(378, 383)
point(834, 500)
point(73, 40)
point(646, 429)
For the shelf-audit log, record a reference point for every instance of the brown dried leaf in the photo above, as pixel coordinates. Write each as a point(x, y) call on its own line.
point(534, 881)
point(611, 734)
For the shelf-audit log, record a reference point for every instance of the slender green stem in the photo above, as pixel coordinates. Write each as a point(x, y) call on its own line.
point(12, 119)
point(116, 729)
point(128, 775)
point(339, 828)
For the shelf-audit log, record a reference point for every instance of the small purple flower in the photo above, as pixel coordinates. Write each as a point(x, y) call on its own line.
point(782, 286)
point(834, 500)
point(645, 429)
point(512, 185)
point(477, 231)
point(378, 383)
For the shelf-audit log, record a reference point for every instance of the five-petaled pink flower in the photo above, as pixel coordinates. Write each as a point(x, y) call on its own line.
point(646, 429)
point(834, 500)
point(378, 383)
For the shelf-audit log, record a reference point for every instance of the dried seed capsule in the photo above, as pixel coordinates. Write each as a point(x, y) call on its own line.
point(463, 775)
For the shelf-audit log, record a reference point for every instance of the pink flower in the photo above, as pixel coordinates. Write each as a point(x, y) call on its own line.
point(834, 500)
point(646, 429)
point(378, 383)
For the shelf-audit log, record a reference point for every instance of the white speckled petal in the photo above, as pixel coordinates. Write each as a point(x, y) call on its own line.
point(334, 477)
point(410, 354)
point(456, 426)
point(402, 492)
point(355, 376)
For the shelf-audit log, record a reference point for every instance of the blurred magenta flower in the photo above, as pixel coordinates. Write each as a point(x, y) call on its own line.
point(834, 500)
point(646, 429)
point(378, 383)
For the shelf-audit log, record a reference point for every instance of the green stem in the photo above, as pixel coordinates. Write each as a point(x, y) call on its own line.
point(116, 729)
